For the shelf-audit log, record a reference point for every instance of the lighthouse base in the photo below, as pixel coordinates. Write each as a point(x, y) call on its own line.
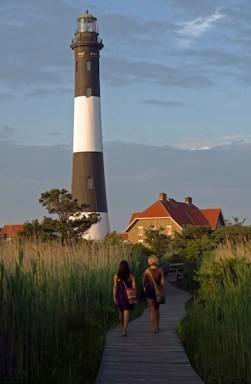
point(99, 230)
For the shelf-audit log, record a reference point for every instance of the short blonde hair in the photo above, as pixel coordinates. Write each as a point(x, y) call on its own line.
point(153, 260)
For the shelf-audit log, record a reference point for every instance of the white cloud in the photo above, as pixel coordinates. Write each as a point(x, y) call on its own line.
point(193, 144)
point(195, 28)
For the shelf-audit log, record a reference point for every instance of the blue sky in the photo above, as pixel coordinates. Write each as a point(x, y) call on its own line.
point(174, 73)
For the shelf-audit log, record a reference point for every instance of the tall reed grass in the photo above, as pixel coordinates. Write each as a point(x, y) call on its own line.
point(217, 329)
point(55, 307)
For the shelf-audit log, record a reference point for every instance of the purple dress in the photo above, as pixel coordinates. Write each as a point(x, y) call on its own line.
point(121, 296)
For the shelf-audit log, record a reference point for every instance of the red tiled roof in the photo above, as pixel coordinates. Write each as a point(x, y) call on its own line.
point(155, 210)
point(198, 217)
point(12, 230)
point(124, 236)
point(181, 213)
point(212, 216)
point(134, 215)
point(158, 209)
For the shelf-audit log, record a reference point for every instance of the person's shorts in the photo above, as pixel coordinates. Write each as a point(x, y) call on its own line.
point(150, 292)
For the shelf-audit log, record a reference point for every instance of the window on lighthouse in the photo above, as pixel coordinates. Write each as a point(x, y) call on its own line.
point(89, 183)
point(88, 92)
point(88, 65)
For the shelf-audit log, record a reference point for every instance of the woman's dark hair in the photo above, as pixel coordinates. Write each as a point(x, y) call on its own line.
point(124, 270)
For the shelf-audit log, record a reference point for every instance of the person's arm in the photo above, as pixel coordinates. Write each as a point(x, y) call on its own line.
point(162, 280)
point(143, 281)
point(134, 282)
point(115, 286)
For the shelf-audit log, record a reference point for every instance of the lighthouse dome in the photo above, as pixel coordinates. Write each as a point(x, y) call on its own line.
point(86, 23)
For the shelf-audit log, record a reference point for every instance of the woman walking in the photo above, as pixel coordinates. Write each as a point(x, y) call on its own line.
point(153, 276)
point(122, 279)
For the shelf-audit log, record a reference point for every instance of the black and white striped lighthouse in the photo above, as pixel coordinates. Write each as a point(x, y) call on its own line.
point(88, 178)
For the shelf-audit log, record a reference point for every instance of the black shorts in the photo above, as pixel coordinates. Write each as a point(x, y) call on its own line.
point(150, 292)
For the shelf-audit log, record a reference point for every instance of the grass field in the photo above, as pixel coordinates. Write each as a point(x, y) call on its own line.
point(55, 308)
point(217, 329)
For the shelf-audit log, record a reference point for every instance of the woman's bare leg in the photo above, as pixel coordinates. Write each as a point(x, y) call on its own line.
point(126, 320)
point(157, 315)
point(152, 313)
point(121, 318)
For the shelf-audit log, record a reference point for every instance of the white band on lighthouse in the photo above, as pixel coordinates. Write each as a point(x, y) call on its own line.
point(87, 125)
point(99, 230)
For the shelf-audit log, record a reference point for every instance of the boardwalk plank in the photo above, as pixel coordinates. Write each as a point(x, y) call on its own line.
point(143, 357)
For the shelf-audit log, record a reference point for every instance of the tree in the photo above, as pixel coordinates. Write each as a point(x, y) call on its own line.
point(236, 221)
point(2, 235)
point(36, 231)
point(157, 241)
point(192, 243)
point(60, 202)
point(234, 233)
point(191, 232)
point(71, 223)
point(113, 238)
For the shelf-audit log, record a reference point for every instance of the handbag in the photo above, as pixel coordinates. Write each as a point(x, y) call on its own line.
point(159, 290)
point(131, 294)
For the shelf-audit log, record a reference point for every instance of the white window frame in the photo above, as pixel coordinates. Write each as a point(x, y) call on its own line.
point(169, 230)
point(141, 231)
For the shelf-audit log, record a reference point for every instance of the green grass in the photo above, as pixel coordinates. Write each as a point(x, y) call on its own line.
point(216, 331)
point(56, 307)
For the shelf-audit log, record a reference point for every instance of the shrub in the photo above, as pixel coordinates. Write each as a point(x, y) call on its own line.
point(217, 329)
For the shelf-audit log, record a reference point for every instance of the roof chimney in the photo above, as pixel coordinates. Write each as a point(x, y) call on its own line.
point(188, 200)
point(162, 196)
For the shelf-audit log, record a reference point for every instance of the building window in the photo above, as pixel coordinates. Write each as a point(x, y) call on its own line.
point(141, 232)
point(88, 92)
point(89, 183)
point(76, 68)
point(169, 230)
point(88, 65)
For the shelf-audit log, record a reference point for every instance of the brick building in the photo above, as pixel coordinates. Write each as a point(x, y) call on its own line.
point(172, 216)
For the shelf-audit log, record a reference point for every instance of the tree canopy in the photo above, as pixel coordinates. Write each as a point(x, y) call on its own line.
point(157, 240)
point(71, 221)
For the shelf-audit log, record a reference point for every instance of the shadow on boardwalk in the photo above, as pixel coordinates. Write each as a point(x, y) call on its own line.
point(143, 357)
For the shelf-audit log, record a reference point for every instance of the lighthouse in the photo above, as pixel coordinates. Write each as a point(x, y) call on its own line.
point(88, 177)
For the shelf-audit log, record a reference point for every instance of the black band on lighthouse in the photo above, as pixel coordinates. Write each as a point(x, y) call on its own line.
point(88, 182)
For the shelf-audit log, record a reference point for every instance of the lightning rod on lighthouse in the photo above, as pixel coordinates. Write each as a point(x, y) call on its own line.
point(88, 177)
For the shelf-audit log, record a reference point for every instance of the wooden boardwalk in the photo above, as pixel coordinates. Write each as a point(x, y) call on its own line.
point(143, 357)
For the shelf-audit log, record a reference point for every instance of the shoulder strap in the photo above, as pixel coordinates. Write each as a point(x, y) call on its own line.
point(151, 276)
